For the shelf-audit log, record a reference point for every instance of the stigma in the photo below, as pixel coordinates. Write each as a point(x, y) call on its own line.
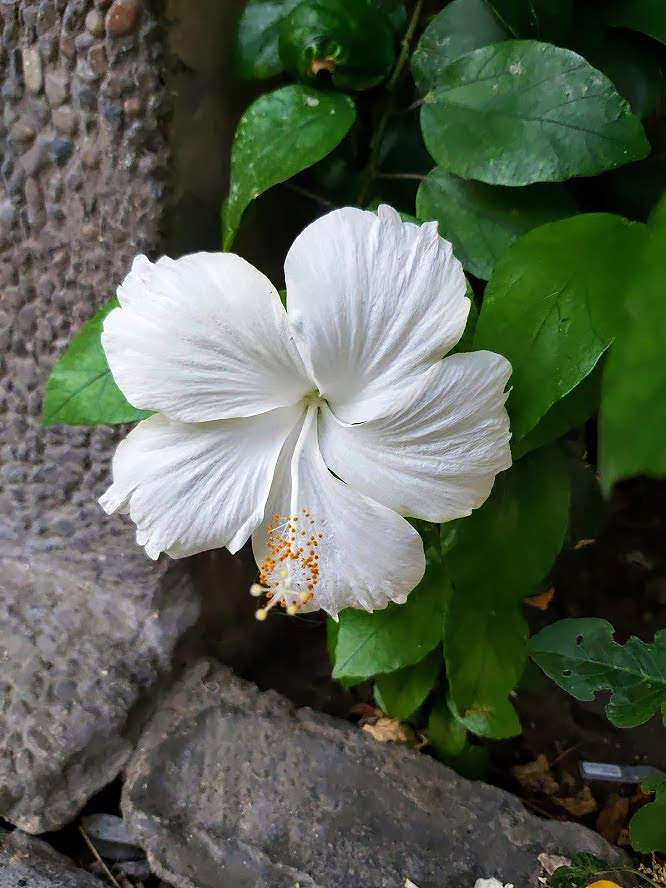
point(289, 572)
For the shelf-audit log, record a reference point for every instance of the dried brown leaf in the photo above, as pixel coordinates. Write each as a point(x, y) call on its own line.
point(580, 805)
point(612, 819)
point(541, 602)
point(536, 776)
point(391, 730)
point(551, 862)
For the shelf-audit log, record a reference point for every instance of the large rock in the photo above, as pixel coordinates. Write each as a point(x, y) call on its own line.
point(27, 862)
point(87, 623)
point(230, 786)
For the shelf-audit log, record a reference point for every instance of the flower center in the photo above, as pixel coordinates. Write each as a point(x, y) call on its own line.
point(289, 572)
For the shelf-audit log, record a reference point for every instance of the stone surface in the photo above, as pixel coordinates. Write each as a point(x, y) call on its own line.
point(232, 786)
point(122, 17)
point(26, 862)
point(87, 623)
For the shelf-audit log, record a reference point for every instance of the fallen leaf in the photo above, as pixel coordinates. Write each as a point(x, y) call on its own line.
point(613, 817)
point(392, 730)
point(550, 862)
point(365, 712)
point(582, 543)
point(409, 884)
point(536, 776)
point(579, 805)
point(541, 602)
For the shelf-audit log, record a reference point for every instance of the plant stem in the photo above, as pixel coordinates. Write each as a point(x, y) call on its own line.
point(322, 201)
point(370, 172)
point(416, 177)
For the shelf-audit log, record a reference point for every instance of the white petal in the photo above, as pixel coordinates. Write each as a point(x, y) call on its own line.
point(189, 487)
point(366, 555)
point(374, 302)
point(435, 456)
point(201, 338)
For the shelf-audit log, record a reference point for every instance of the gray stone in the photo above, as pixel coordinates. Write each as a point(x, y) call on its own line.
point(110, 837)
point(32, 69)
point(29, 862)
point(24, 130)
point(232, 786)
point(56, 87)
point(88, 624)
point(122, 17)
point(95, 23)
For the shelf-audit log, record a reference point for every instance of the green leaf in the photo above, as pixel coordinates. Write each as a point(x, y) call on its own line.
point(280, 134)
point(583, 868)
point(520, 111)
point(395, 12)
point(460, 27)
point(502, 551)
point(553, 305)
point(496, 722)
point(402, 692)
point(482, 221)
point(399, 635)
point(633, 408)
point(465, 343)
point(447, 735)
point(572, 411)
point(581, 656)
point(332, 35)
point(255, 51)
point(639, 15)
point(633, 62)
point(541, 19)
point(647, 829)
point(81, 389)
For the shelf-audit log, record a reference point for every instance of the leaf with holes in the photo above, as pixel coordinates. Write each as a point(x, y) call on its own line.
point(519, 112)
point(460, 27)
point(482, 221)
point(399, 635)
point(553, 305)
point(581, 656)
point(80, 389)
point(281, 133)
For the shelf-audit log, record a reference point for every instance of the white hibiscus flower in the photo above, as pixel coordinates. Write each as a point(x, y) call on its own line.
point(316, 429)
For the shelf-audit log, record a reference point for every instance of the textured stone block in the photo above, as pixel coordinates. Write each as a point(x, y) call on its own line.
point(28, 863)
point(230, 786)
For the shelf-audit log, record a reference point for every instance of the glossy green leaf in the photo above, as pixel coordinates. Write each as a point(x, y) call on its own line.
point(81, 389)
point(482, 221)
point(332, 35)
point(460, 27)
point(395, 12)
point(255, 50)
point(633, 410)
point(501, 552)
point(400, 635)
point(553, 305)
point(647, 16)
point(647, 829)
point(497, 722)
point(581, 656)
point(572, 411)
point(547, 20)
point(402, 692)
point(465, 343)
point(519, 112)
point(281, 133)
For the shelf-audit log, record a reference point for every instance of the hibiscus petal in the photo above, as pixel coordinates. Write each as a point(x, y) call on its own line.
point(355, 552)
point(435, 456)
point(190, 487)
point(201, 338)
point(374, 302)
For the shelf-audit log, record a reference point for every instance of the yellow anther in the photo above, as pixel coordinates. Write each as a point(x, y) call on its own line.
point(283, 574)
point(256, 591)
point(292, 610)
point(304, 596)
point(261, 614)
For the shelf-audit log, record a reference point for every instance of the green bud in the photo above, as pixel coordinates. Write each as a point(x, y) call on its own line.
point(351, 39)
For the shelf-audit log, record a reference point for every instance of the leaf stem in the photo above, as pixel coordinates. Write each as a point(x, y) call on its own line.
point(370, 172)
point(317, 198)
point(416, 177)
